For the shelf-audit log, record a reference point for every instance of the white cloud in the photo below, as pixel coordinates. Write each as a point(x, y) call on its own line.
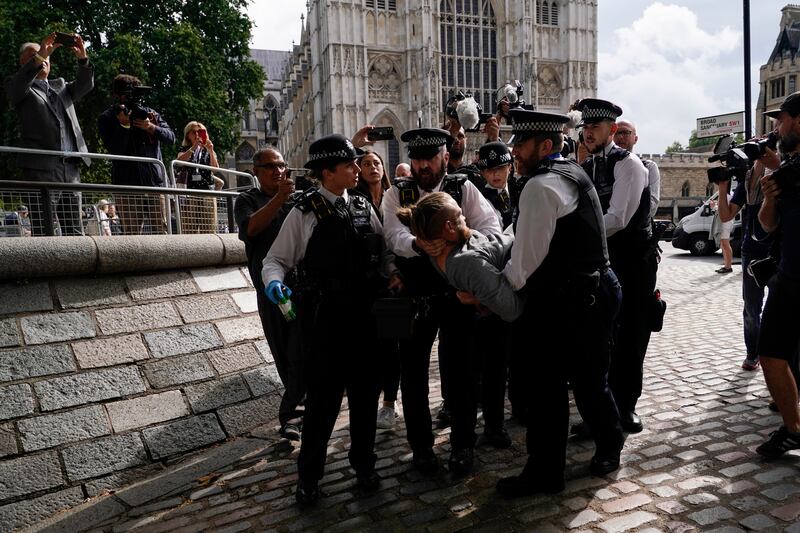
point(665, 70)
point(277, 23)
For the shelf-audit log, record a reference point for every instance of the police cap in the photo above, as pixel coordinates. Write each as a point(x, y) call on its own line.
point(595, 110)
point(526, 123)
point(424, 143)
point(331, 149)
point(493, 154)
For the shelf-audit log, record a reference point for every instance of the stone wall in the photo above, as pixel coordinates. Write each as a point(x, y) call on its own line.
point(678, 168)
point(102, 379)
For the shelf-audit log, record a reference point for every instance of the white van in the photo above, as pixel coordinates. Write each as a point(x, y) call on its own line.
point(695, 232)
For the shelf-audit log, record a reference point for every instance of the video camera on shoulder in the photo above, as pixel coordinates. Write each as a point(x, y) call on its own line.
point(737, 158)
point(787, 176)
point(134, 105)
point(511, 93)
point(466, 110)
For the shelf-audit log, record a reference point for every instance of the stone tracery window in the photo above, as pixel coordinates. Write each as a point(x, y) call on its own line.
point(686, 189)
point(546, 13)
point(468, 41)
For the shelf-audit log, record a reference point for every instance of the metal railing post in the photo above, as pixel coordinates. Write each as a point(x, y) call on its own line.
point(47, 210)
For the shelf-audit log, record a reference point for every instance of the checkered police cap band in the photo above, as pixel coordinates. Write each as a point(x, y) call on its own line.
point(422, 142)
point(495, 159)
point(344, 154)
point(544, 126)
point(598, 113)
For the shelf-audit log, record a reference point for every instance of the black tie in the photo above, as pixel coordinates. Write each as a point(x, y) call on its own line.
point(340, 207)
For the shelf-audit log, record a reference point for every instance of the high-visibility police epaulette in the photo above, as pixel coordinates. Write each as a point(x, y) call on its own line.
point(408, 192)
point(312, 200)
point(453, 185)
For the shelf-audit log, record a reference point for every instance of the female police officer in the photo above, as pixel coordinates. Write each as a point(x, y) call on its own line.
point(335, 239)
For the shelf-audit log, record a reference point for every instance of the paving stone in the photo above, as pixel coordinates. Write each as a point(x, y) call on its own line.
point(627, 522)
point(90, 292)
point(109, 352)
point(700, 481)
point(758, 522)
point(711, 515)
point(29, 512)
point(241, 329)
point(179, 341)
point(146, 410)
point(8, 440)
point(216, 393)
point(16, 401)
point(739, 486)
point(203, 308)
point(748, 503)
point(117, 480)
point(177, 370)
point(34, 362)
point(235, 358)
point(29, 473)
point(264, 380)
point(218, 279)
point(161, 285)
point(25, 297)
point(184, 435)
point(738, 470)
point(103, 384)
point(701, 498)
point(246, 301)
point(263, 347)
point(587, 516)
point(55, 327)
point(9, 334)
point(671, 507)
point(626, 503)
point(103, 456)
point(787, 513)
point(137, 318)
point(70, 426)
point(781, 492)
point(776, 474)
point(243, 417)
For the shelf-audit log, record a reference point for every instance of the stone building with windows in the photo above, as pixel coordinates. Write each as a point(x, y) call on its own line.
point(396, 62)
point(260, 119)
point(778, 76)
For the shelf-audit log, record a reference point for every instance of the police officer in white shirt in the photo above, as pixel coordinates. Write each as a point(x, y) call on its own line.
point(494, 162)
point(621, 181)
point(336, 240)
point(439, 309)
point(560, 260)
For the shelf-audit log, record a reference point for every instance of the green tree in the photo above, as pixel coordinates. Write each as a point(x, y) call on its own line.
point(194, 53)
point(694, 142)
point(674, 147)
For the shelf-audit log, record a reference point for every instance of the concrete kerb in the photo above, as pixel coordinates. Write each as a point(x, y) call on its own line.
point(64, 256)
point(176, 478)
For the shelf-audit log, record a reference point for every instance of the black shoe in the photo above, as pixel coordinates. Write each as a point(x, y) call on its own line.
point(631, 423)
point(580, 431)
point(290, 431)
point(496, 438)
point(773, 407)
point(524, 485)
point(368, 481)
point(443, 416)
point(425, 462)
point(461, 461)
point(779, 442)
point(600, 466)
point(307, 493)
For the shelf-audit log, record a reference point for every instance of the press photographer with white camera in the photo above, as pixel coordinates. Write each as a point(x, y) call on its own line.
point(780, 214)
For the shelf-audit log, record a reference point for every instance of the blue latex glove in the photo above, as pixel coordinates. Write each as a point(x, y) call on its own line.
point(277, 292)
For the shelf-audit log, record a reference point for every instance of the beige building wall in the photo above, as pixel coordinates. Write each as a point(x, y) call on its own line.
point(778, 77)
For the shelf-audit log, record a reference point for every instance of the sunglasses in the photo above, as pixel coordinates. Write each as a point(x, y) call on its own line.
point(272, 166)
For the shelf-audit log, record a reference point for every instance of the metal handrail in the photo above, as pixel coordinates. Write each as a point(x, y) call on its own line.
point(178, 162)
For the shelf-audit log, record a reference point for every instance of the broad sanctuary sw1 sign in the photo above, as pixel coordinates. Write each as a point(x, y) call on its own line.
point(720, 125)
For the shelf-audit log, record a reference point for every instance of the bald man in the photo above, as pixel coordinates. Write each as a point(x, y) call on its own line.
point(403, 170)
point(625, 137)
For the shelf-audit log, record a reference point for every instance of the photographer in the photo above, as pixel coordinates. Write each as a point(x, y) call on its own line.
point(129, 128)
point(198, 214)
point(779, 337)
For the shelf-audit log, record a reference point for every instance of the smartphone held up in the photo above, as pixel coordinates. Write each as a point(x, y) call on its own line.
point(65, 39)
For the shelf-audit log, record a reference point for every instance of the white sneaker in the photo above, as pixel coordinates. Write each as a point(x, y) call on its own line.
point(385, 419)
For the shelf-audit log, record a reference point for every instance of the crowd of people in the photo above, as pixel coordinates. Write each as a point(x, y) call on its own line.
point(47, 121)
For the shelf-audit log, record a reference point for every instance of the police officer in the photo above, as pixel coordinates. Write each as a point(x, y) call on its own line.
point(335, 237)
point(621, 181)
point(560, 260)
point(494, 162)
point(439, 309)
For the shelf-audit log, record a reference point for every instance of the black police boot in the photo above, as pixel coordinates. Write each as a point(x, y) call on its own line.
point(580, 431)
point(368, 481)
point(603, 464)
point(496, 438)
point(307, 492)
point(461, 461)
point(443, 416)
point(425, 461)
point(526, 485)
point(631, 423)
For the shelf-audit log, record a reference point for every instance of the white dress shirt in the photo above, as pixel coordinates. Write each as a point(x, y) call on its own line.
point(480, 215)
point(654, 182)
point(544, 199)
point(289, 247)
point(630, 179)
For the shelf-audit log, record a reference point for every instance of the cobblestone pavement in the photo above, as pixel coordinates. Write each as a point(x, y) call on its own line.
point(693, 468)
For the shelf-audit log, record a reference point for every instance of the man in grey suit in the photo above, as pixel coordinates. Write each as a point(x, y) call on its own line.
point(47, 121)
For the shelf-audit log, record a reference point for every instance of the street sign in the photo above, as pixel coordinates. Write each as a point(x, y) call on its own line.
point(720, 125)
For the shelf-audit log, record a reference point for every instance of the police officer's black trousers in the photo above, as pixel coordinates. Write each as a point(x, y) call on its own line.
point(284, 343)
point(570, 342)
point(452, 320)
point(637, 275)
point(339, 361)
point(492, 342)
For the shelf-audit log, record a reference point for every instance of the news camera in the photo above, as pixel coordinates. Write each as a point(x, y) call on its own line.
point(466, 110)
point(737, 159)
point(134, 101)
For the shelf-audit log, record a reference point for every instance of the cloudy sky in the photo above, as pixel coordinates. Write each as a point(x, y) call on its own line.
point(666, 62)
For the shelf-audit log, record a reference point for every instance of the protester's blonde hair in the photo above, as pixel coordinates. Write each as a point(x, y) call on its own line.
point(426, 218)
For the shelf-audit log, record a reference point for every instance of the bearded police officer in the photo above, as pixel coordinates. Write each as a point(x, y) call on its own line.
point(621, 181)
point(439, 309)
point(336, 239)
point(559, 259)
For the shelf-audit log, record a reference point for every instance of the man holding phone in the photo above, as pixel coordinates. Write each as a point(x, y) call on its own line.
point(47, 121)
